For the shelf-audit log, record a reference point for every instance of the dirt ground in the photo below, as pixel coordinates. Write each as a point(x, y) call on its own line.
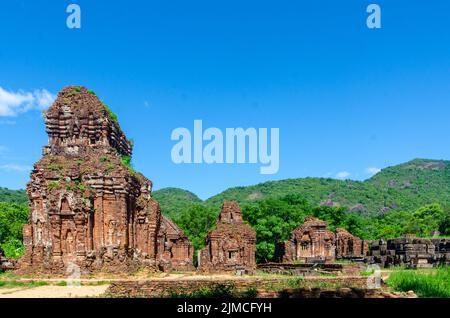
point(92, 287)
point(52, 291)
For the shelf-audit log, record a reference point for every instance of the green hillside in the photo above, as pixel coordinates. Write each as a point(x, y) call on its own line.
point(406, 186)
point(415, 183)
point(174, 200)
point(13, 196)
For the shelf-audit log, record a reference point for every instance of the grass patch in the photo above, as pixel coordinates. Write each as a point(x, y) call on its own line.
point(295, 282)
point(7, 275)
point(16, 283)
point(367, 273)
point(433, 283)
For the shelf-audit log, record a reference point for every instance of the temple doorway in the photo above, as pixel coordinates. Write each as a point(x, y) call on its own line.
point(68, 239)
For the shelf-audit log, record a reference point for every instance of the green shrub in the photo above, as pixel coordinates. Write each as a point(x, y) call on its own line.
point(126, 161)
point(13, 248)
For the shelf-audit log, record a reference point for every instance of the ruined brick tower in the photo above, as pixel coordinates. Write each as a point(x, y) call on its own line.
point(310, 241)
point(230, 247)
point(88, 207)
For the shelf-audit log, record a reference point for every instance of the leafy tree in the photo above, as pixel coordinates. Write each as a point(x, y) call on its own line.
point(426, 220)
point(12, 218)
point(391, 225)
point(196, 222)
point(355, 224)
point(274, 220)
point(335, 216)
point(444, 226)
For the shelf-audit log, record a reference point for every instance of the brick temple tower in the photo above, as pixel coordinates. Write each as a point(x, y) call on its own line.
point(230, 247)
point(88, 207)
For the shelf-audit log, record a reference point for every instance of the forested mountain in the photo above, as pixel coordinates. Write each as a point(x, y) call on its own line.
point(13, 196)
point(405, 186)
point(173, 200)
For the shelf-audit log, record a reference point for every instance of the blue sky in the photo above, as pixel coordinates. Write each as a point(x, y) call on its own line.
point(344, 97)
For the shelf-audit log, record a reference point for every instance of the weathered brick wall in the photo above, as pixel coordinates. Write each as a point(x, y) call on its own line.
point(410, 251)
point(230, 247)
point(311, 269)
point(164, 288)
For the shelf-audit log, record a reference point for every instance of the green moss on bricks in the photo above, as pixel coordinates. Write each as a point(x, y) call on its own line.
point(104, 159)
point(55, 167)
point(52, 185)
point(75, 91)
point(111, 114)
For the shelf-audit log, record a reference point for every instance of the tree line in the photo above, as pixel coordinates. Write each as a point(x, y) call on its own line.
point(273, 219)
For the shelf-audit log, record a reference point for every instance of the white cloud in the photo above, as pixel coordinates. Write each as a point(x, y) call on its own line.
point(343, 175)
point(14, 103)
point(372, 170)
point(44, 98)
point(15, 167)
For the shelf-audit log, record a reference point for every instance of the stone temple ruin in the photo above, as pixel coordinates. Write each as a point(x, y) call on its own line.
point(312, 242)
point(410, 251)
point(230, 247)
point(88, 207)
point(349, 246)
